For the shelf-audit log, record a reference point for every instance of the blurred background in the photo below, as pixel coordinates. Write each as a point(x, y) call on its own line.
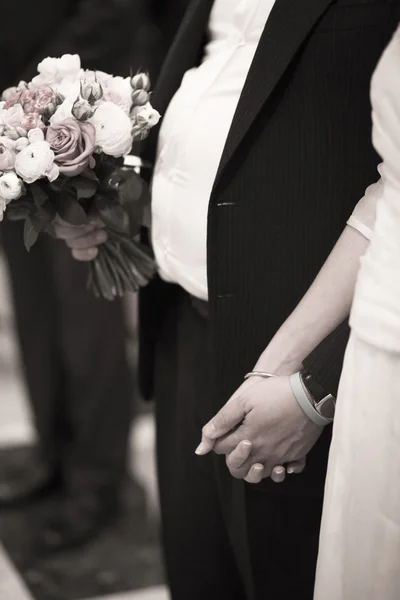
point(78, 494)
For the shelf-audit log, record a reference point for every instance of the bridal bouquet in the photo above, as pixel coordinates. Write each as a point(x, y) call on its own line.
point(62, 139)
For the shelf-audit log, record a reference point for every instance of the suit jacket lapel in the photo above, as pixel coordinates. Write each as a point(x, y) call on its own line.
point(287, 27)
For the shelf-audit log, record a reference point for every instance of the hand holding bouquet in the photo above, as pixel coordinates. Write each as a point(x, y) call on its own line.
point(62, 139)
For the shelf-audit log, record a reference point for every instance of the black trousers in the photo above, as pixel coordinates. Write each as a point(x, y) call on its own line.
point(73, 352)
point(223, 539)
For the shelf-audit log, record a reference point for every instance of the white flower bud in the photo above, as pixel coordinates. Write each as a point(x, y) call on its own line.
point(35, 135)
point(81, 110)
point(22, 132)
point(139, 133)
point(11, 133)
point(10, 187)
point(49, 111)
point(20, 144)
point(148, 117)
point(140, 98)
point(141, 81)
point(91, 91)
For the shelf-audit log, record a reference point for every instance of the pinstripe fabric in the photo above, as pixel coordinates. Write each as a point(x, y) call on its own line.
point(297, 160)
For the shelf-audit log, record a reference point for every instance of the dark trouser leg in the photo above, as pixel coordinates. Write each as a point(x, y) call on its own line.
point(199, 558)
point(36, 322)
point(283, 529)
point(97, 382)
point(281, 522)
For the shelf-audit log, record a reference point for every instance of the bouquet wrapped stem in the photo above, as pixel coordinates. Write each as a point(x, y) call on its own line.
point(122, 265)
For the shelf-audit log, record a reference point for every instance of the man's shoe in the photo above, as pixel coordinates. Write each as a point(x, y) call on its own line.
point(74, 522)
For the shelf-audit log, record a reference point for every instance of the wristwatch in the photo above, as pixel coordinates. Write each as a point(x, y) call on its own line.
point(323, 403)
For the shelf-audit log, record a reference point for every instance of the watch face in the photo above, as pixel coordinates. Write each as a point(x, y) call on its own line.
point(326, 407)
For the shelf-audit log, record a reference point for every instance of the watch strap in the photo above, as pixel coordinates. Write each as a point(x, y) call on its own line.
point(304, 401)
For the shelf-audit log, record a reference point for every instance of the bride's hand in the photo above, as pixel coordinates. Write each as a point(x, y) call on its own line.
point(83, 241)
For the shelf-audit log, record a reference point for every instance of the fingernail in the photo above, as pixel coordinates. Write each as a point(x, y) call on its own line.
point(279, 470)
point(290, 470)
point(247, 444)
point(200, 449)
point(258, 468)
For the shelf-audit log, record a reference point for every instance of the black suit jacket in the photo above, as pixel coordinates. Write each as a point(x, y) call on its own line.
point(297, 159)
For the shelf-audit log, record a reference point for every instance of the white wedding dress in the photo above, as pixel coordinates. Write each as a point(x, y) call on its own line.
point(359, 556)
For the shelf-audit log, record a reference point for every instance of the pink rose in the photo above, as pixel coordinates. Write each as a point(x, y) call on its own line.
point(73, 144)
point(28, 101)
point(7, 154)
point(31, 121)
point(13, 100)
point(43, 99)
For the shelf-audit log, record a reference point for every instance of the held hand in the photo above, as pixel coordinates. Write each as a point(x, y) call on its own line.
point(83, 241)
point(255, 474)
point(264, 412)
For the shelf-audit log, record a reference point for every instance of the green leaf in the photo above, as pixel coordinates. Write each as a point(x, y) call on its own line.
point(47, 211)
point(58, 184)
point(84, 187)
point(113, 215)
point(32, 227)
point(18, 213)
point(132, 187)
point(90, 174)
point(70, 210)
point(39, 195)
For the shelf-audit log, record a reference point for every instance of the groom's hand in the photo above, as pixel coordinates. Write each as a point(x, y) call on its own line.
point(83, 241)
point(265, 413)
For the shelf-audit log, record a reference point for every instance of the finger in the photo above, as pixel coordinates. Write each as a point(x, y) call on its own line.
point(227, 419)
point(278, 474)
point(228, 443)
point(66, 232)
point(296, 467)
point(239, 455)
point(85, 255)
point(255, 474)
point(89, 240)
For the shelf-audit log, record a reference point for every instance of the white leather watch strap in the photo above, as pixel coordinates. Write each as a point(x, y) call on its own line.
point(302, 398)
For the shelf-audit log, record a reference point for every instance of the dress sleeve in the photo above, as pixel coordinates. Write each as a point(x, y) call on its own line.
point(364, 214)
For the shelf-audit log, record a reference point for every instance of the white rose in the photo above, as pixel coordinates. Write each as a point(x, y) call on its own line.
point(70, 66)
point(100, 76)
point(113, 129)
point(10, 187)
point(53, 70)
point(69, 89)
point(118, 90)
point(36, 161)
point(12, 116)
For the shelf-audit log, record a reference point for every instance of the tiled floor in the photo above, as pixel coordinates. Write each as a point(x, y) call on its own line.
point(124, 563)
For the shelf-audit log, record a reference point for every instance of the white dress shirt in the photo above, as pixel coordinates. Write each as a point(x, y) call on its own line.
point(192, 139)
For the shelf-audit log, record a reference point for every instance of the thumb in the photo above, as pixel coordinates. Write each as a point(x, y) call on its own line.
point(225, 420)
